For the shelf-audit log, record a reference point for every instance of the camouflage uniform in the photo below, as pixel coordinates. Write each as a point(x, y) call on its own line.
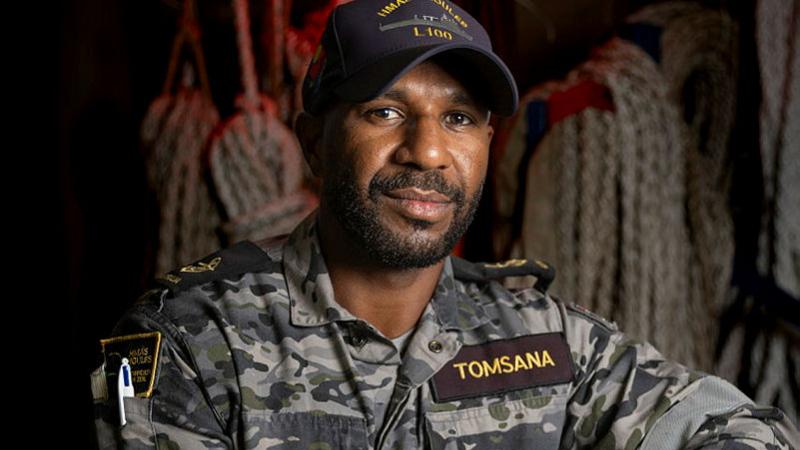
point(256, 354)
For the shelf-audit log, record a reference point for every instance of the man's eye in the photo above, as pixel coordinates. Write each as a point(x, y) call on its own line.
point(385, 113)
point(459, 119)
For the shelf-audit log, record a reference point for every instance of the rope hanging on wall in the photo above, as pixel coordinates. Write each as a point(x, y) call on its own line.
point(778, 41)
point(637, 197)
point(514, 144)
point(255, 160)
point(608, 180)
point(653, 245)
point(698, 54)
point(173, 133)
point(762, 349)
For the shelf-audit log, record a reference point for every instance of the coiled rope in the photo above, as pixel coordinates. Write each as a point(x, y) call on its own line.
point(699, 60)
point(762, 351)
point(778, 41)
point(511, 177)
point(613, 182)
point(643, 233)
point(173, 133)
point(653, 245)
point(255, 160)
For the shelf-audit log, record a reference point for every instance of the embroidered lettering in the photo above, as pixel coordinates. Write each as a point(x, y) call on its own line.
point(433, 32)
point(391, 7)
point(504, 365)
point(445, 6)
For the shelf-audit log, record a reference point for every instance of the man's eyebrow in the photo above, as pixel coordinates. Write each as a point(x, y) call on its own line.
point(457, 97)
point(462, 98)
point(394, 94)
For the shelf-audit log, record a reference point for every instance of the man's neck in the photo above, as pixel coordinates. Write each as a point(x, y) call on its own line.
point(392, 300)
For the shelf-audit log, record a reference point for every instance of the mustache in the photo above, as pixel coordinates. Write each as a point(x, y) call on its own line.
point(430, 180)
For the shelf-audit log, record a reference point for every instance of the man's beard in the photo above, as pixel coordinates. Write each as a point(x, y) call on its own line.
point(358, 214)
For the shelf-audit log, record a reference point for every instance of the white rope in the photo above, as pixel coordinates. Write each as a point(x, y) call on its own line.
point(699, 59)
point(778, 42)
point(631, 163)
point(776, 348)
point(173, 133)
point(255, 160)
point(512, 149)
point(665, 169)
point(765, 359)
point(654, 245)
point(566, 208)
point(188, 224)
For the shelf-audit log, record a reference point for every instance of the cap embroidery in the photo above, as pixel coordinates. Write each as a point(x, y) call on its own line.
point(391, 7)
point(428, 22)
point(450, 11)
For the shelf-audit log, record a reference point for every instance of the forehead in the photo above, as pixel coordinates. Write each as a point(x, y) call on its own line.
point(440, 75)
point(434, 79)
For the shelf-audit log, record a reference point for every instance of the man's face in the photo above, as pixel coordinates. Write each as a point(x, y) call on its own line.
point(403, 173)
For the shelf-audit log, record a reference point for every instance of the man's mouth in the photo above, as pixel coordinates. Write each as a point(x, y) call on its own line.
point(418, 195)
point(429, 206)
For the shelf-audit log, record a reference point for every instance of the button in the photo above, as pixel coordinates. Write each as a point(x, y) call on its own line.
point(359, 334)
point(435, 346)
point(358, 340)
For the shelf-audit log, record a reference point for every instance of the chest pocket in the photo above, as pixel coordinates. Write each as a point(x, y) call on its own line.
point(303, 430)
point(533, 422)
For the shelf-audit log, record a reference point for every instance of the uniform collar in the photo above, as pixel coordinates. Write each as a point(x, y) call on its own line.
point(311, 296)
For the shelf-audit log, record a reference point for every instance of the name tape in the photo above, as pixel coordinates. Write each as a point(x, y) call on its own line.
point(503, 366)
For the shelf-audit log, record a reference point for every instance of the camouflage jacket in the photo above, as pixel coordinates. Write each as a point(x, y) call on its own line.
point(248, 349)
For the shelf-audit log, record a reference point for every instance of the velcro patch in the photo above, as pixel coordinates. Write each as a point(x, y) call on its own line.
point(142, 351)
point(504, 366)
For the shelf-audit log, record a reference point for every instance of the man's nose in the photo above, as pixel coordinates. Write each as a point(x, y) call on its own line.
point(425, 146)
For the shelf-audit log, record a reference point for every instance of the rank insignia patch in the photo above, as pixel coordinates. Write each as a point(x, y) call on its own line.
point(504, 366)
point(142, 351)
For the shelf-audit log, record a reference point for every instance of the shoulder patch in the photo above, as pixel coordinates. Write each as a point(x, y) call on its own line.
point(142, 351)
point(585, 313)
point(469, 271)
point(240, 258)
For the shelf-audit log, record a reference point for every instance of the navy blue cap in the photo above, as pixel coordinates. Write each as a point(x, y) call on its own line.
point(368, 45)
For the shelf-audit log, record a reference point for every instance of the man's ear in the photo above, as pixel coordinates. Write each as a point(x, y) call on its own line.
point(309, 130)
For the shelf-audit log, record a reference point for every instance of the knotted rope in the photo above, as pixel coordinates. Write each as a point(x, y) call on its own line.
point(255, 160)
point(762, 351)
point(173, 133)
point(614, 182)
point(699, 60)
point(778, 42)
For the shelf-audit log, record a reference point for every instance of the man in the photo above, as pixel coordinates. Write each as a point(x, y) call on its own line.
point(359, 331)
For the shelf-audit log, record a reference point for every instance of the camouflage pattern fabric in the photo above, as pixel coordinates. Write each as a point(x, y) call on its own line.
point(267, 359)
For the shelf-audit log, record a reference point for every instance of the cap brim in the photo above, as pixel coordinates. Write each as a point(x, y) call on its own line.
point(375, 79)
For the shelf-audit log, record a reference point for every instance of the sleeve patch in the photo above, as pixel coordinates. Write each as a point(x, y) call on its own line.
point(142, 351)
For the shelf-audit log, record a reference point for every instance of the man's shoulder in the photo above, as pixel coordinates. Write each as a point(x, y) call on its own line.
point(523, 280)
point(582, 316)
point(186, 309)
point(227, 265)
point(485, 272)
point(511, 296)
point(216, 287)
